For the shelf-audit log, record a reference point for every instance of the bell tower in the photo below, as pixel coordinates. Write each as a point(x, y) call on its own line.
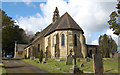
point(56, 14)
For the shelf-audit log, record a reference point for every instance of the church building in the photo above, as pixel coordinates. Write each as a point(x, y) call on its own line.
point(58, 38)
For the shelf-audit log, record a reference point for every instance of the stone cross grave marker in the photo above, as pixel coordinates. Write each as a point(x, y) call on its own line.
point(69, 59)
point(98, 63)
point(75, 69)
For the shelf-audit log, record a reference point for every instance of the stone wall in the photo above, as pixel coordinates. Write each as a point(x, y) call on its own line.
point(34, 46)
point(54, 44)
point(92, 49)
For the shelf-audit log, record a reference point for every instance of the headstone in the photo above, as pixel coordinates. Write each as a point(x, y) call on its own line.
point(78, 60)
point(37, 61)
point(58, 68)
point(69, 59)
point(32, 58)
point(59, 60)
point(87, 59)
point(46, 58)
point(44, 61)
point(81, 65)
point(98, 63)
point(75, 69)
point(57, 55)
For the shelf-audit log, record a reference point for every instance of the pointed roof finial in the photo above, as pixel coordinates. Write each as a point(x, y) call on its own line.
point(56, 14)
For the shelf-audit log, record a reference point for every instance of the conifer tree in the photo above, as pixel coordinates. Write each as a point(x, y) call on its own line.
point(107, 45)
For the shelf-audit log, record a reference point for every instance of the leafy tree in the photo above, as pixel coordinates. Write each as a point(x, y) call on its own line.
point(6, 20)
point(107, 45)
point(114, 20)
point(10, 34)
point(41, 56)
point(37, 33)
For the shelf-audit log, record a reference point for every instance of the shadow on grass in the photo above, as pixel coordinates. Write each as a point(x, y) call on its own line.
point(7, 67)
point(12, 58)
point(109, 70)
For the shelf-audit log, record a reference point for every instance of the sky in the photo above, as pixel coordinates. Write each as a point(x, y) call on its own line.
point(90, 15)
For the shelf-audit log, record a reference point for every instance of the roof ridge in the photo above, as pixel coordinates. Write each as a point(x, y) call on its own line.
point(65, 22)
point(68, 20)
point(48, 29)
point(60, 21)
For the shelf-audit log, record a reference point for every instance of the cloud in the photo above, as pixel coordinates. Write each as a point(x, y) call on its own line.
point(88, 37)
point(29, 3)
point(90, 15)
point(95, 42)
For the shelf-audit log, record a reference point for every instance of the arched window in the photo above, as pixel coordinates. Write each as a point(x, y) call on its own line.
point(63, 40)
point(75, 40)
point(38, 47)
point(53, 40)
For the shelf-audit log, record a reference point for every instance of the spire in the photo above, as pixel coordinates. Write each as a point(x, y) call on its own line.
point(56, 14)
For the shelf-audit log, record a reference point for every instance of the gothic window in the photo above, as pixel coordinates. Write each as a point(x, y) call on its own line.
point(38, 47)
point(47, 41)
point(62, 40)
point(75, 40)
point(53, 41)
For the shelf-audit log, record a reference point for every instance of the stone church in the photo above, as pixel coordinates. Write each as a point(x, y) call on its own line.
point(58, 38)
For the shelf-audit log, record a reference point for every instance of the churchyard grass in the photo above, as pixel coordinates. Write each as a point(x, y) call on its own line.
point(51, 65)
point(111, 65)
point(3, 72)
point(47, 66)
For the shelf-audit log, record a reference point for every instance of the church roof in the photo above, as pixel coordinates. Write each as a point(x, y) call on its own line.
point(20, 47)
point(65, 22)
point(43, 32)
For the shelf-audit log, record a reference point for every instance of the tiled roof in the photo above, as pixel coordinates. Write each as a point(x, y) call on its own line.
point(20, 47)
point(65, 22)
point(42, 33)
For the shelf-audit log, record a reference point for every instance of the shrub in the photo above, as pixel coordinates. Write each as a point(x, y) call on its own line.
point(25, 56)
point(41, 56)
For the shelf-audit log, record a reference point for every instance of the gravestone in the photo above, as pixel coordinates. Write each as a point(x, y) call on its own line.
point(87, 59)
point(98, 63)
point(81, 65)
point(44, 61)
point(69, 59)
point(78, 60)
point(38, 62)
point(75, 69)
point(57, 55)
point(32, 58)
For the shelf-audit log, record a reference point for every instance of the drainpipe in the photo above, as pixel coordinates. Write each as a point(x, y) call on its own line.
point(67, 42)
point(118, 49)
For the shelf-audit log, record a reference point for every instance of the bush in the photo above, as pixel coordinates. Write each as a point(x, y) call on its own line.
point(25, 56)
point(41, 56)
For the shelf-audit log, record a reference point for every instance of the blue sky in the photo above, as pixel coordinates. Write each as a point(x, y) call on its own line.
point(90, 15)
point(17, 9)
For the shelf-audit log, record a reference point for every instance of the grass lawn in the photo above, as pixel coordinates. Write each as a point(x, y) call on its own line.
point(2, 69)
point(110, 65)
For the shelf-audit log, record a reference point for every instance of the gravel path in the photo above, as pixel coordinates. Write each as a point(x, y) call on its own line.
point(18, 66)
